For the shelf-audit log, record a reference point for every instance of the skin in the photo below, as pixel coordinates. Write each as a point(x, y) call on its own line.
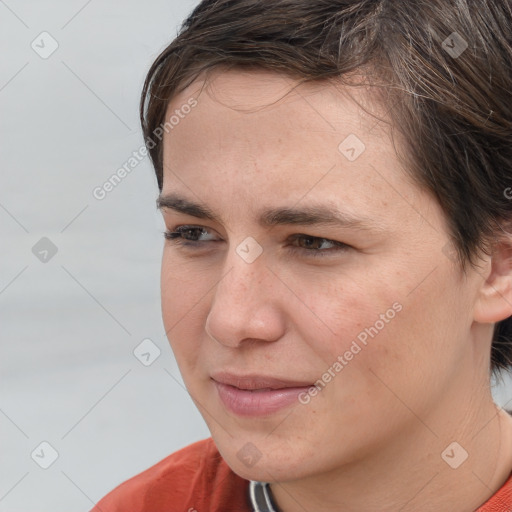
point(372, 439)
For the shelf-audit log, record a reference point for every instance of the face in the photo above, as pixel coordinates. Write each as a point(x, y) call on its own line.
point(306, 289)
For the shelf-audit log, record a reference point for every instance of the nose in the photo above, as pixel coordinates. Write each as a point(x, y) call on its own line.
point(246, 305)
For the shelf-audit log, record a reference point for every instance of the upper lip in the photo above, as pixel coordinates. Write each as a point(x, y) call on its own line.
point(253, 381)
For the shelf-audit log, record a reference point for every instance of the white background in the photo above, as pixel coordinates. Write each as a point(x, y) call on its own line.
point(69, 326)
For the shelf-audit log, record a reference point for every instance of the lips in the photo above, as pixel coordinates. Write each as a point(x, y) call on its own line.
point(257, 395)
point(257, 382)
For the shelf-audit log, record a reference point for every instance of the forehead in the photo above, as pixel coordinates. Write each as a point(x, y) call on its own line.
point(262, 94)
point(257, 115)
point(257, 135)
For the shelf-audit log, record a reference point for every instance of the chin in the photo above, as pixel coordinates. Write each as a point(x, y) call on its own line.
point(264, 470)
point(264, 460)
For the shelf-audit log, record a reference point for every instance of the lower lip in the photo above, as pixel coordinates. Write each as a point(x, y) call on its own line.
point(257, 403)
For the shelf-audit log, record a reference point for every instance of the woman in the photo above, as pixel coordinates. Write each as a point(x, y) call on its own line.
point(335, 178)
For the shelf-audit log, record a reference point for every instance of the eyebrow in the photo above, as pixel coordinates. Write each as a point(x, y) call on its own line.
point(313, 215)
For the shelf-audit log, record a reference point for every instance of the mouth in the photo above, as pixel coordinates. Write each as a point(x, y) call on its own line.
point(257, 395)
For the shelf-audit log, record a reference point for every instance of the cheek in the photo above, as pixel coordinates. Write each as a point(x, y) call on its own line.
point(409, 361)
point(341, 315)
point(183, 299)
point(370, 336)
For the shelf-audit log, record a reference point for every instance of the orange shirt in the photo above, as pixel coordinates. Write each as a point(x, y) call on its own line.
point(197, 479)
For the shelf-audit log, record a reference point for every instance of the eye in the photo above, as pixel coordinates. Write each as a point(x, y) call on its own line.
point(306, 245)
point(316, 246)
point(189, 235)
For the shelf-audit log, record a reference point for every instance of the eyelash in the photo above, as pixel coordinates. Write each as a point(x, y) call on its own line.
point(175, 237)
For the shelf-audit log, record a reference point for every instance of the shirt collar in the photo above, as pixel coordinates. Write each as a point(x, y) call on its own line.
point(261, 497)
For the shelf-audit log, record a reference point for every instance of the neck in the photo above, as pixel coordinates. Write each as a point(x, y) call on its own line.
point(409, 473)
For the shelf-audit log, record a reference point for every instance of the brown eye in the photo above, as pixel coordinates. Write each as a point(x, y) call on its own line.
point(316, 246)
point(311, 242)
point(192, 234)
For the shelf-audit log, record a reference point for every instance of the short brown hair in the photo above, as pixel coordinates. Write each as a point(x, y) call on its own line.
point(446, 67)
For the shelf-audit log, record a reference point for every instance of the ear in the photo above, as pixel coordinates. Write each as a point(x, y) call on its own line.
point(494, 301)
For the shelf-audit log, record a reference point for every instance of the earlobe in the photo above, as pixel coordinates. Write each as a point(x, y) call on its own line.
point(494, 301)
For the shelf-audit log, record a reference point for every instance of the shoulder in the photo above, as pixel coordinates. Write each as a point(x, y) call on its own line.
point(501, 500)
point(193, 478)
